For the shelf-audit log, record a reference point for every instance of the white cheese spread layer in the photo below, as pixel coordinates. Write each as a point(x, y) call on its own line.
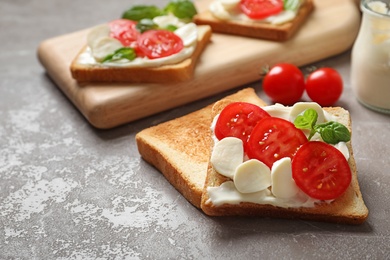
point(229, 10)
point(251, 180)
point(100, 45)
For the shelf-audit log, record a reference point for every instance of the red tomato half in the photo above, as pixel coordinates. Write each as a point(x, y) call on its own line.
point(238, 119)
point(284, 84)
point(324, 86)
point(260, 9)
point(274, 138)
point(321, 171)
point(124, 30)
point(159, 43)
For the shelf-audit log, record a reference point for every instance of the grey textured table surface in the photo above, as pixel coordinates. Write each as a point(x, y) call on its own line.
point(69, 191)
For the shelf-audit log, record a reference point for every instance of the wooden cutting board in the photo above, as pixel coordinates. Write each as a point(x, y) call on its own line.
point(227, 62)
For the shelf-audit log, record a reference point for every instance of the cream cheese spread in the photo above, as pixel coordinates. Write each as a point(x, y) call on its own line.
point(251, 180)
point(100, 45)
point(379, 7)
point(229, 10)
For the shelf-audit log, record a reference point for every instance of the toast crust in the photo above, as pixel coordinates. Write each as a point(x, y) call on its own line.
point(349, 208)
point(266, 31)
point(167, 73)
point(180, 148)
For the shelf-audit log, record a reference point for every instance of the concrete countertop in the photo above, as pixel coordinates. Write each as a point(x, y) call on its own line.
point(70, 191)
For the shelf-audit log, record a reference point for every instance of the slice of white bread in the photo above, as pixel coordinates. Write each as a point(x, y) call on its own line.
point(180, 148)
point(166, 73)
point(349, 208)
point(281, 32)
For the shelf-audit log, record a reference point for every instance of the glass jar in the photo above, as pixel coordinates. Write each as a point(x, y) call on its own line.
point(370, 62)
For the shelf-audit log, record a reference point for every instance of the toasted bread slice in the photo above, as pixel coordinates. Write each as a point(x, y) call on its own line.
point(180, 148)
point(281, 32)
point(349, 208)
point(166, 73)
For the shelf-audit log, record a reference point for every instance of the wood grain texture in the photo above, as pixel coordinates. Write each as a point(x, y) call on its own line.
point(227, 62)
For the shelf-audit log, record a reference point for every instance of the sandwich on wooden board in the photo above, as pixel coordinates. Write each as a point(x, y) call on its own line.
point(182, 149)
point(147, 45)
point(276, 20)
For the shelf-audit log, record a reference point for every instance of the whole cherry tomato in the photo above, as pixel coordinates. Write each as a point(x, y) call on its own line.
point(284, 84)
point(324, 86)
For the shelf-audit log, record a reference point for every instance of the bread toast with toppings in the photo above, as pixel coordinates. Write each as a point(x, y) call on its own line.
point(349, 208)
point(261, 30)
point(181, 148)
point(181, 71)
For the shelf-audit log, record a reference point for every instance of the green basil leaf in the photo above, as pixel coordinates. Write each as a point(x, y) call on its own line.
point(145, 25)
point(182, 9)
point(333, 132)
point(170, 27)
point(307, 120)
point(139, 12)
point(122, 53)
point(292, 5)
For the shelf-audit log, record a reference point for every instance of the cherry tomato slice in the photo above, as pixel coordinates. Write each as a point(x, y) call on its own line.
point(159, 43)
point(273, 139)
point(321, 171)
point(260, 9)
point(125, 31)
point(238, 119)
